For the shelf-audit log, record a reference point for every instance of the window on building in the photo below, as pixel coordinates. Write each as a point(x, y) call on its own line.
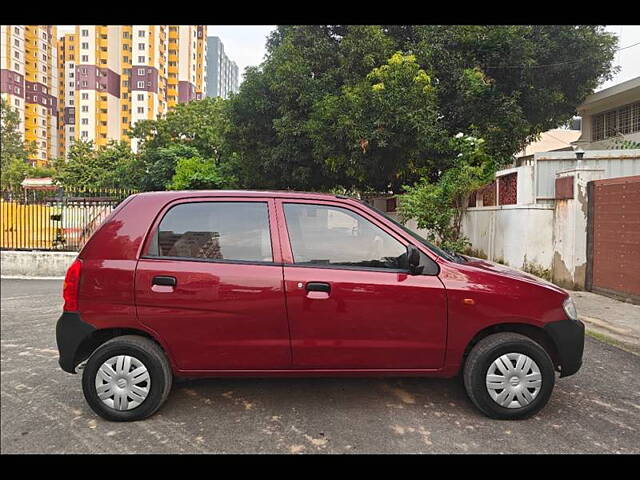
point(142, 33)
point(141, 59)
point(141, 97)
point(85, 33)
point(85, 58)
point(85, 108)
point(140, 84)
point(84, 121)
point(84, 134)
point(85, 96)
point(621, 121)
point(141, 71)
point(140, 109)
point(141, 46)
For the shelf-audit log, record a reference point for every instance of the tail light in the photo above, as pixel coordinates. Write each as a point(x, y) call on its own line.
point(71, 287)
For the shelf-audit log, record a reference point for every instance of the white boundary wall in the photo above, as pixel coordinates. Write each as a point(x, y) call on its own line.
point(35, 263)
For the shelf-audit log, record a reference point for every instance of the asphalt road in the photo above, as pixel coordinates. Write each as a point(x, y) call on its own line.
point(43, 410)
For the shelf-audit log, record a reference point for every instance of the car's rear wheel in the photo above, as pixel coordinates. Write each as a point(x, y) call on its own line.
point(508, 376)
point(127, 378)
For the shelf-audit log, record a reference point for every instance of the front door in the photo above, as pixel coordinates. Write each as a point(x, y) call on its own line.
point(210, 284)
point(351, 302)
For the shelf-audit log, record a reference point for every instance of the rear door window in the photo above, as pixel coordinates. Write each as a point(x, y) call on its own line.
point(327, 235)
point(234, 231)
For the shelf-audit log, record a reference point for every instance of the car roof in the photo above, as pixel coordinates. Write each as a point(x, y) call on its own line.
point(245, 193)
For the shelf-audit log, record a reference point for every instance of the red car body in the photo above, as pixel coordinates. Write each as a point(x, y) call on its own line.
point(254, 318)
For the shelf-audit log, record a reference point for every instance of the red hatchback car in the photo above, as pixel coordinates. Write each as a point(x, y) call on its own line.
point(249, 283)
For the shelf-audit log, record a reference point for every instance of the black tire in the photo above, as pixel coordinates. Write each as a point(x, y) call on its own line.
point(484, 353)
point(153, 358)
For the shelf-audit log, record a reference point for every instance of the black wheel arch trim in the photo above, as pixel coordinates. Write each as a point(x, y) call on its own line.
point(71, 332)
point(568, 337)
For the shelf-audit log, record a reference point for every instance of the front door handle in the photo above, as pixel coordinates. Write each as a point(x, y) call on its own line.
point(163, 280)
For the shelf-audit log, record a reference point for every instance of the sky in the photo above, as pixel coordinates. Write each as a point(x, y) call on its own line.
point(245, 44)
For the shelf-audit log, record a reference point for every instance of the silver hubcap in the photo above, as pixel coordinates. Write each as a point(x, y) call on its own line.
point(513, 380)
point(123, 382)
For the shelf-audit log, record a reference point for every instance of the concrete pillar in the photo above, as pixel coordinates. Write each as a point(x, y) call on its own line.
point(570, 227)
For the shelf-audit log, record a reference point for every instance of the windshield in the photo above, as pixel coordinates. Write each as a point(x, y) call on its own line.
point(438, 251)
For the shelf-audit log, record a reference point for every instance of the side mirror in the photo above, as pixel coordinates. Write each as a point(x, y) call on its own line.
point(413, 257)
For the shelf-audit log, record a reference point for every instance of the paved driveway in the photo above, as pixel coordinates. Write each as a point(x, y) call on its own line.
point(43, 410)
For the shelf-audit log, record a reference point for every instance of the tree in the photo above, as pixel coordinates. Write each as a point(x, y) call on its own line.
point(509, 83)
point(196, 173)
point(439, 206)
point(301, 117)
point(379, 131)
point(13, 151)
point(190, 130)
point(87, 167)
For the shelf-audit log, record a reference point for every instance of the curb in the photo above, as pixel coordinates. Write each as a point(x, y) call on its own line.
point(28, 277)
point(604, 338)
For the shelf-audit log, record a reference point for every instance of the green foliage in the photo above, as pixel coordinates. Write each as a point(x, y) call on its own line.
point(334, 104)
point(87, 167)
point(537, 270)
point(193, 131)
point(14, 152)
point(622, 144)
point(438, 206)
point(385, 126)
point(196, 173)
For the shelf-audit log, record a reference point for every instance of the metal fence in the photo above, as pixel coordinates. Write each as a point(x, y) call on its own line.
point(53, 219)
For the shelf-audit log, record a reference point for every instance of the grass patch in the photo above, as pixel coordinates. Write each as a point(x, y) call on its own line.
point(612, 341)
point(474, 252)
point(537, 270)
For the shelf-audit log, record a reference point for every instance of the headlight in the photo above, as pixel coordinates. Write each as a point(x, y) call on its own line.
point(570, 308)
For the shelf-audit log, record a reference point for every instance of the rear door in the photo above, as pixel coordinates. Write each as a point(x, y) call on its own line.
point(351, 302)
point(210, 284)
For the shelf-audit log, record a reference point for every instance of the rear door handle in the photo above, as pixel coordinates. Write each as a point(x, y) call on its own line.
point(164, 281)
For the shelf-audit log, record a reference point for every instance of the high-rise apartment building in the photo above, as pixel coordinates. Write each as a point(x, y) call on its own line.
point(29, 83)
point(115, 76)
point(187, 78)
point(222, 73)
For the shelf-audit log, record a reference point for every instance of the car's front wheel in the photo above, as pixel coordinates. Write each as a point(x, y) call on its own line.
point(508, 376)
point(127, 378)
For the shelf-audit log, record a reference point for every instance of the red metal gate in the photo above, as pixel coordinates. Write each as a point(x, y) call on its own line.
point(613, 237)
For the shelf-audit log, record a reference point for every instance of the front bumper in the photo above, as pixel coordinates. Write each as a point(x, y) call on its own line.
point(71, 332)
point(568, 337)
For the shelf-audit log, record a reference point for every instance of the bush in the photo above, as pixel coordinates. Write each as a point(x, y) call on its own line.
point(438, 207)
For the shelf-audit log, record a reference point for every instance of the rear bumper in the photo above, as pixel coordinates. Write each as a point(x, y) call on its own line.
point(568, 337)
point(71, 332)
